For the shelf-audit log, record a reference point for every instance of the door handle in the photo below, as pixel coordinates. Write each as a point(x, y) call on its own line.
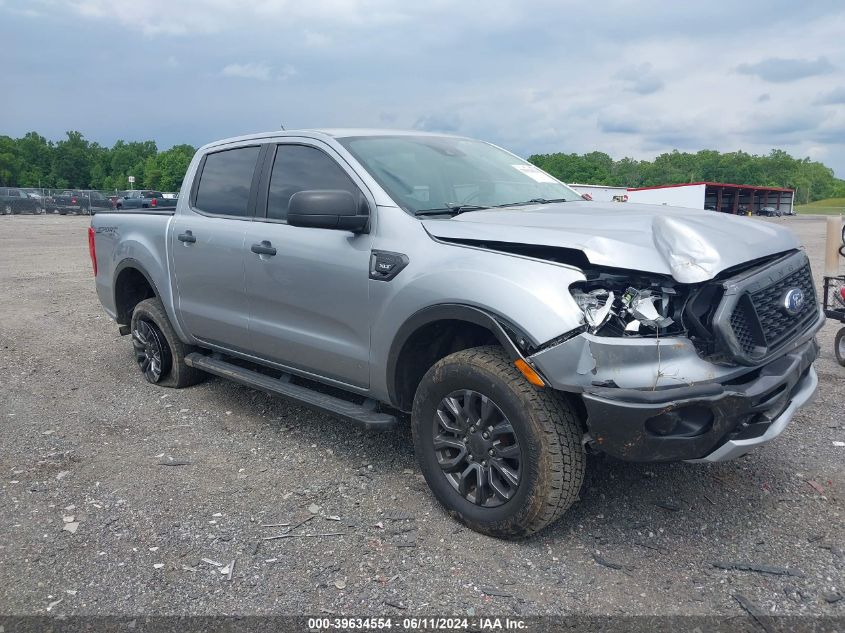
point(265, 248)
point(187, 236)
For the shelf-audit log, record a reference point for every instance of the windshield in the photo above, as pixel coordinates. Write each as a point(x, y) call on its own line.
point(431, 173)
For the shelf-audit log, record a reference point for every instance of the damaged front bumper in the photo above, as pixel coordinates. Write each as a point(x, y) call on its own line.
point(649, 400)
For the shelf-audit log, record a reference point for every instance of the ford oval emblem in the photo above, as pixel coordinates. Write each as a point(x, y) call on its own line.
point(793, 301)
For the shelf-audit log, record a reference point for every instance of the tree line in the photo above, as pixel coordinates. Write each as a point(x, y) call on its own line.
point(810, 179)
point(76, 163)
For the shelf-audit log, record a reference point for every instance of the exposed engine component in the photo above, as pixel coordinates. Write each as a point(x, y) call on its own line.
point(629, 310)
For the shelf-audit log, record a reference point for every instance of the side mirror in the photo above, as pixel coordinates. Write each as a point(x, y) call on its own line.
point(326, 209)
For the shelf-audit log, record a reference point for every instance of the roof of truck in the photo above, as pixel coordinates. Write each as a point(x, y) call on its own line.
point(333, 132)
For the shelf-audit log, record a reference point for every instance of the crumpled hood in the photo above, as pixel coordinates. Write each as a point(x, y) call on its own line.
point(688, 244)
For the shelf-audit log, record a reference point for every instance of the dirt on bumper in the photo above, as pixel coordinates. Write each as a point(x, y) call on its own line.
point(690, 422)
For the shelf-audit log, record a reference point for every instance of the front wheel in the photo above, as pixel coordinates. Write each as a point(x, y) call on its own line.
point(7, 209)
point(839, 346)
point(502, 456)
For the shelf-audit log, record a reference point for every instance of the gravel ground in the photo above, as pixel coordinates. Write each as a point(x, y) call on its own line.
point(84, 435)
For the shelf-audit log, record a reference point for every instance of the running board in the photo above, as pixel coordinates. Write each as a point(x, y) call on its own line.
point(349, 411)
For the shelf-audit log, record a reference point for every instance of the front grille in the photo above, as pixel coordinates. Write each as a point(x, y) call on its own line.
point(778, 326)
point(741, 325)
point(751, 320)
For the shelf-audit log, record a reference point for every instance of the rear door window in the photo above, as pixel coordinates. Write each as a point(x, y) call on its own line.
point(225, 182)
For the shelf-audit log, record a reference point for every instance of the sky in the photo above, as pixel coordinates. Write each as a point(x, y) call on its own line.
point(627, 77)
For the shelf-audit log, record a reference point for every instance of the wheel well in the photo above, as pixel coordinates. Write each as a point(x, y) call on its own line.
point(130, 288)
point(429, 344)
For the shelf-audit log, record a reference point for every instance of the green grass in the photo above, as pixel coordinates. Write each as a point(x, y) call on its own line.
point(829, 206)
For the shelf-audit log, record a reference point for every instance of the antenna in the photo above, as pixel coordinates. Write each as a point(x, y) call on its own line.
point(283, 127)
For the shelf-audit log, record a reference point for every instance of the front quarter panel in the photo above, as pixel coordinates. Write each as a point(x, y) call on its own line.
point(530, 295)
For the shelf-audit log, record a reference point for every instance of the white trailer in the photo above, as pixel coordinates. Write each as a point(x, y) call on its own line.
point(718, 196)
point(602, 193)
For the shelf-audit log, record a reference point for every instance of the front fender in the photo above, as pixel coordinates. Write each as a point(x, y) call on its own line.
point(528, 297)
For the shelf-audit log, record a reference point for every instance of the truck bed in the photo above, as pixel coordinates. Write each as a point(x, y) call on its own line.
point(140, 211)
point(141, 235)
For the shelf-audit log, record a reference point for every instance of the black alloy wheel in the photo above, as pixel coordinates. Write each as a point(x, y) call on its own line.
point(151, 350)
point(477, 448)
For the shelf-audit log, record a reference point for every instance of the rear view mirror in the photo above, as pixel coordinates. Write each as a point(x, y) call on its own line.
point(326, 209)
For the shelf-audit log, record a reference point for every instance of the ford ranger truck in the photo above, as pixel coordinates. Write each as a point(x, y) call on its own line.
point(369, 273)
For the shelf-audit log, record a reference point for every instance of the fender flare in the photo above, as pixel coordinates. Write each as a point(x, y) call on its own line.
point(451, 312)
point(130, 262)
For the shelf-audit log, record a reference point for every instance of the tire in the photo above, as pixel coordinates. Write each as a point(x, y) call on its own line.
point(546, 435)
point(839, 346)
point(7, 209)
point(151, 331)
point(842, 248)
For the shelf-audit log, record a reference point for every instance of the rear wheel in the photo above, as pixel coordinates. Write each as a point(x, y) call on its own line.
point(502, 456)
point(839, 346)
point(151, 350)
point(159, 352)
point(7, 209)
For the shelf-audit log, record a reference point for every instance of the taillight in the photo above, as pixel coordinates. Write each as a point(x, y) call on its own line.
point(73, 200)
point(92, 249)
point(153, 202)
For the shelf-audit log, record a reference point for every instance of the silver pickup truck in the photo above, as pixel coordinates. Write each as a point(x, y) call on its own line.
point(369, 273)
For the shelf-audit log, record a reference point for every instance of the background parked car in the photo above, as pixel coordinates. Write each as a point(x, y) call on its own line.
point(84, 202)
point(770, 212)
point(13, 200)
point(144, 199)
point(44, 202)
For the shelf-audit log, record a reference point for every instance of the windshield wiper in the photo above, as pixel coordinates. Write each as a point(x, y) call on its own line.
point(454, 210)
point(532, 201)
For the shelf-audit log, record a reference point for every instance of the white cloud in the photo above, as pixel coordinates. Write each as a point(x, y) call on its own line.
point(165, 17)
point(633, 77)
point(315, 38)
point(259, 71)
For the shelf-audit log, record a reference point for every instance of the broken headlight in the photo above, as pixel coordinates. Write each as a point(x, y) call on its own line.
point(629, 310)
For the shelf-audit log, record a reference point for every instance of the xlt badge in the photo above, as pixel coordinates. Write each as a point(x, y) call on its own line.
point(385, 265)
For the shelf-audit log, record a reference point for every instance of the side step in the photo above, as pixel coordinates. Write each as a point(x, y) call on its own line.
point(358, 413)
